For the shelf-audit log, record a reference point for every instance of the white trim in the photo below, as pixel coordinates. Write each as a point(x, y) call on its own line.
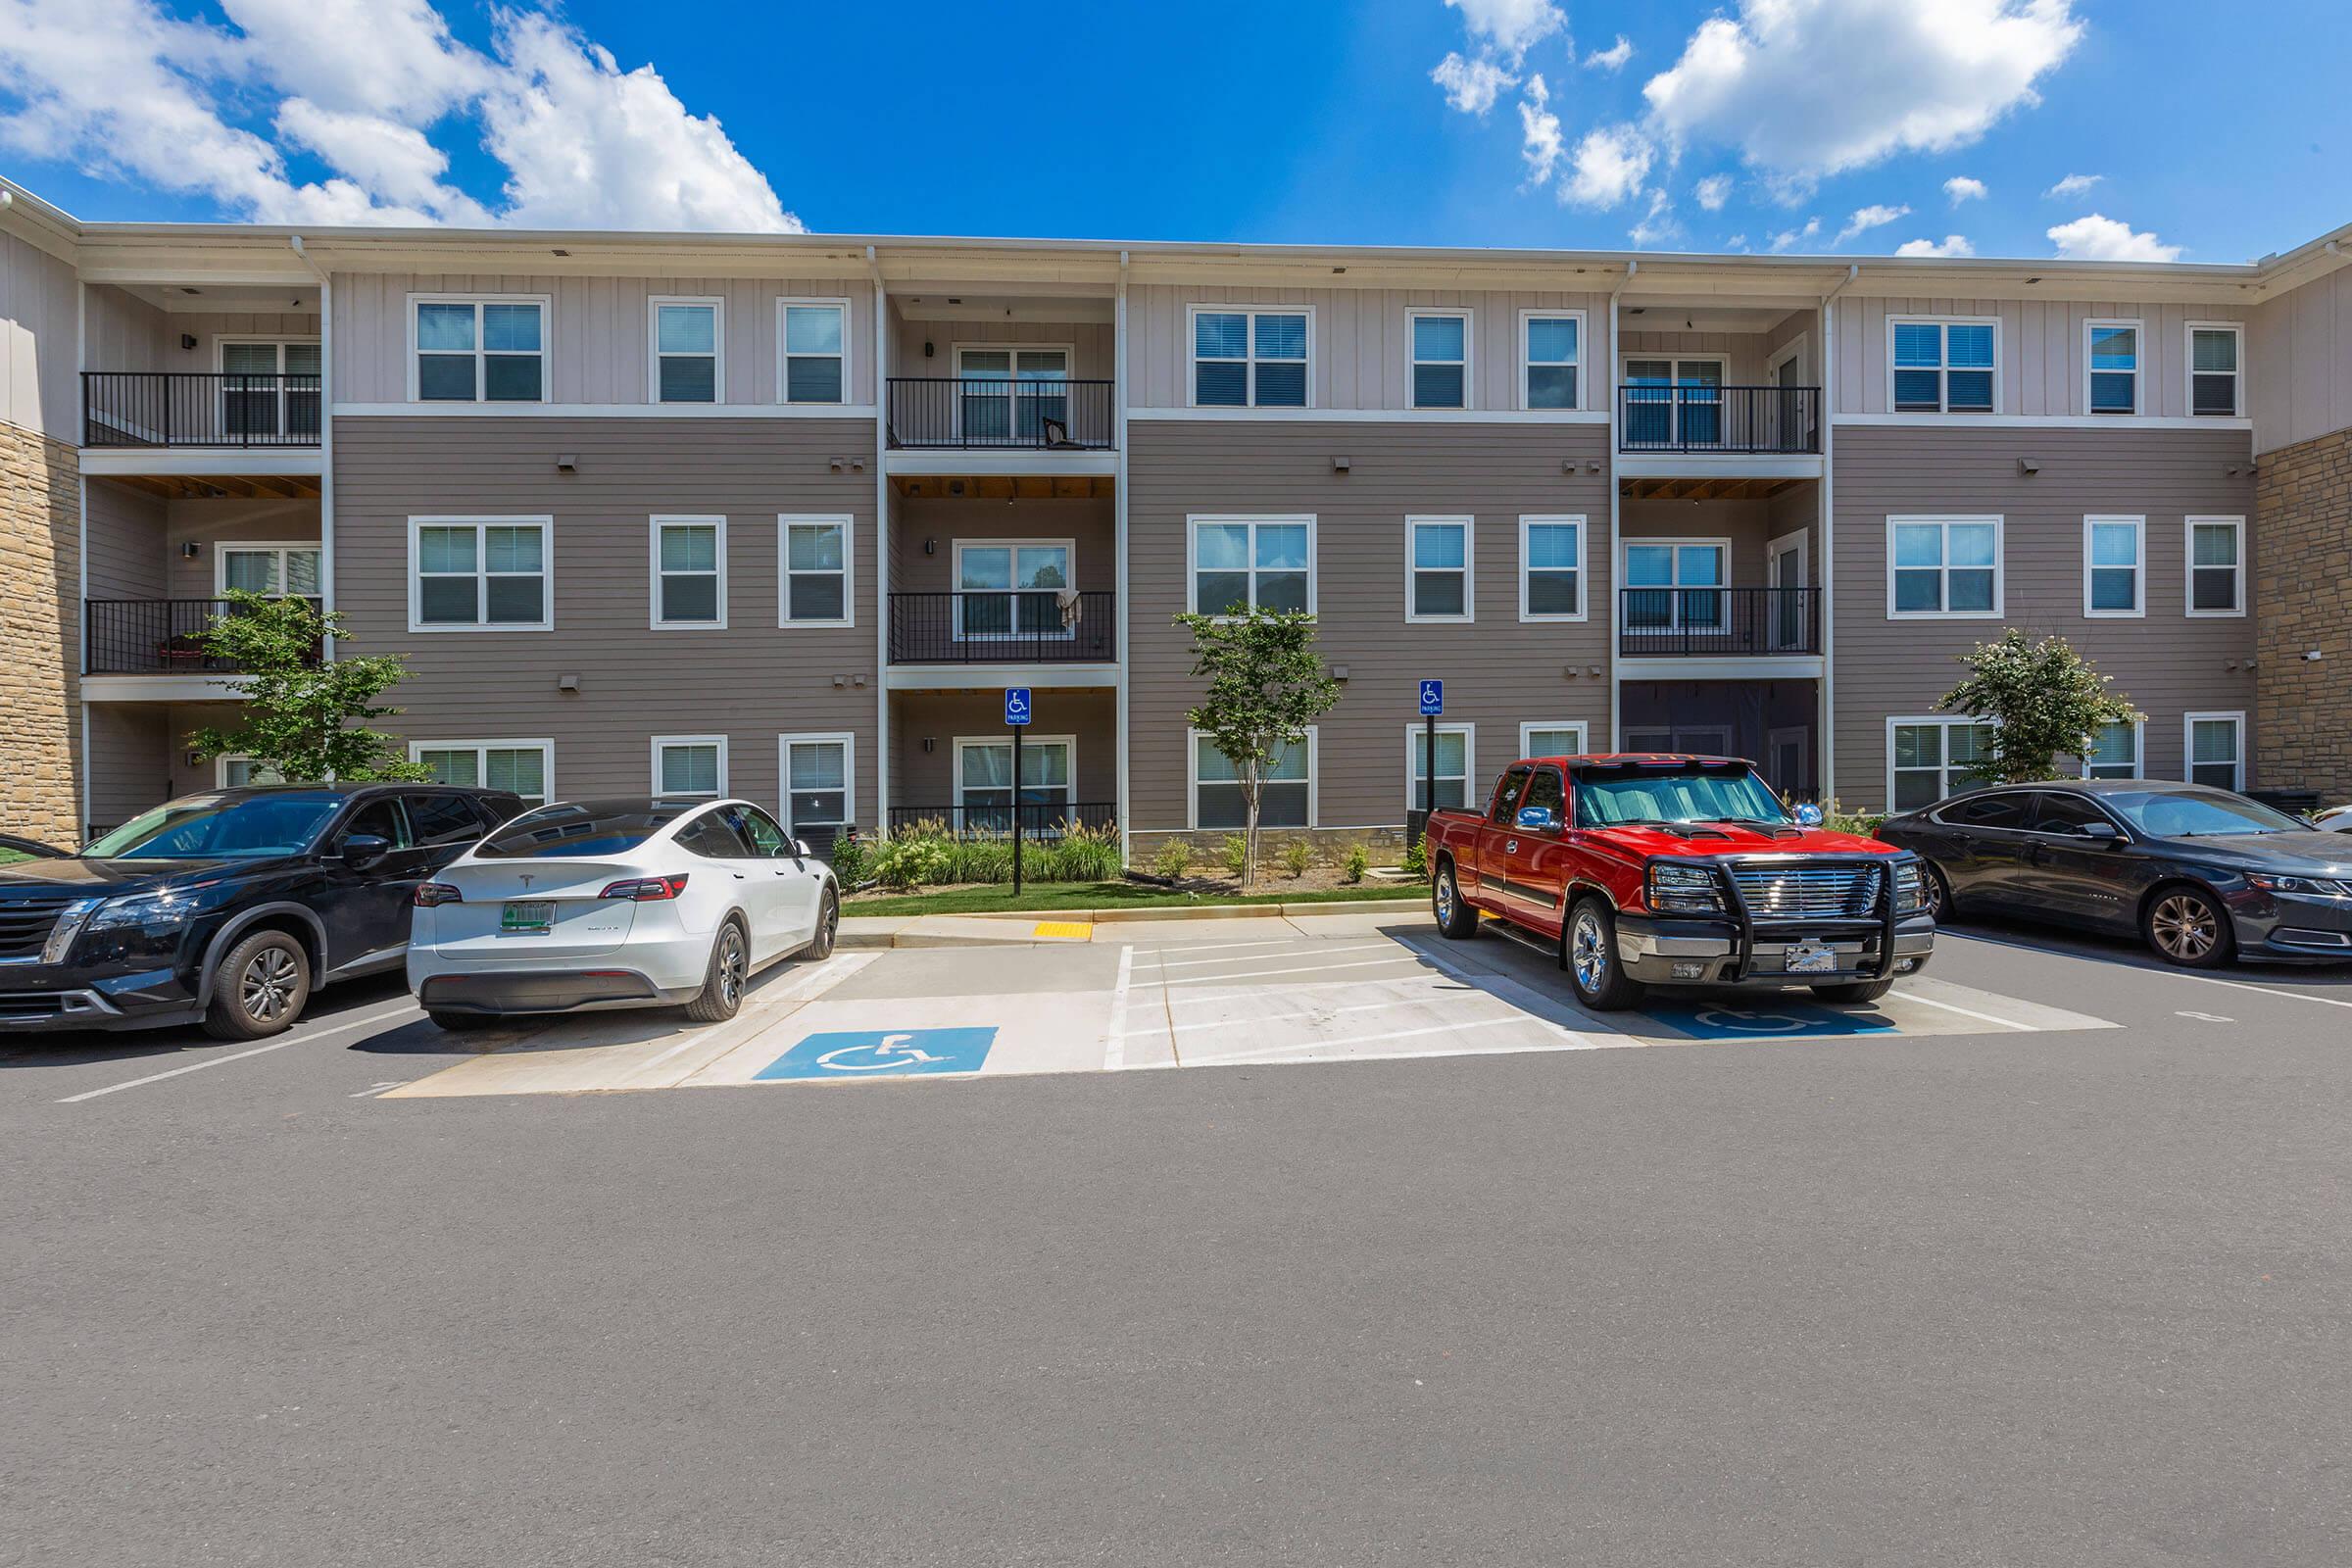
point(544, 748)
point(1674, 405)
point(2139, 365)
point(1192, 782)
point(848, 741)
point(1469, 361)
point(1004, 738)
point(1414, 730)
point(1735, 666)
point(1658, 465)
point(654, 526)
point(280, 463)
point(1192, 355)
point(718, 348)
point(220, 770)
point(1468, 568)
point(1313, 416)
point(2091, 523)
point(1677, 588)
point(956, 550)
point(1944, 413)
point(959, 677)
point(956, 350)
point(2140, 753)
point(280, 341)
point(1794, 348)
point(145, 460)
point(661, 741)
point(547, 343)
point(1527, 727)
point(1020, 463)
point(2188, 566)
point(1584, 398)
point(1583, 553)
point(2042, 422)
point(545, 524)
point(849, 369)
point(1800, 539)
point(1192, 541)
point(2188, 371)
point(165, 688)
point(2000, 551)
point(221, 549)
point(848, 570)
point(1944, 773)
point(2236, 717)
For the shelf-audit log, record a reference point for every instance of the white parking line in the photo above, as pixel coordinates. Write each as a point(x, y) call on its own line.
point(408, 1009)
point(1966, 1013)
point(2153, 968)
point(1310, 968)
point(1256, 957)
point(1255, 1018)
point(1209, 947)
point(1114, 1048)
point(1257, 1052)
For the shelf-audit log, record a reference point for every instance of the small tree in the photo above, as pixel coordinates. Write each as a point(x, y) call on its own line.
point(300, 709)
point(1265, 685)
point(2047, 700)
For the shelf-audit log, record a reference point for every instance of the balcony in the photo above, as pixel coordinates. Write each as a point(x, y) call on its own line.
point(972, 414)
point(1021, 627)
point(1717, 622)
point(1726, 421)
point(152, 636)
point(151, 408)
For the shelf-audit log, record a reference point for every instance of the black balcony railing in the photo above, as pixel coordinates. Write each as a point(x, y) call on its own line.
point(154, 636)
point(197, 408)
point(1016, 627)
point(980, 820)
point(1719, 419)
point(975, 412)
point(1712, 622)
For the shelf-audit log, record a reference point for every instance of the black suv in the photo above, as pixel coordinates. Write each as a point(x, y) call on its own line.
point(227, 908)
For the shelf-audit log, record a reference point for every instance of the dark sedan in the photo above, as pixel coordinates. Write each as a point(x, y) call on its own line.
point(2199, 874)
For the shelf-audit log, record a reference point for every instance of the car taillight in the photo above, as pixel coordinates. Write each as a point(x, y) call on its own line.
point(429, 894)
point(646, 889)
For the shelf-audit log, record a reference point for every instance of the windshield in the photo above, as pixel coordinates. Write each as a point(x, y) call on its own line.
point(1617, 797)
point(2197, 815)
point(204, 827)
point(571, 831)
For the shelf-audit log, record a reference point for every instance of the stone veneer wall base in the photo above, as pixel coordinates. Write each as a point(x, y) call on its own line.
point(40, 651)
point(2302, 600)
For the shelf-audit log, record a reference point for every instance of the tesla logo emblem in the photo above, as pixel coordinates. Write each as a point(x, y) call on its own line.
point(526, 881)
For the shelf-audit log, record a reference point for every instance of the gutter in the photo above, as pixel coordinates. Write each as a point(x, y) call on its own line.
point(1828, 739)
point(326, 433)
point(881, 374)
point(1610, 619)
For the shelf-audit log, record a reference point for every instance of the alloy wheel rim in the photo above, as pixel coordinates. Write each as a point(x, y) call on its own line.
point(732, 967)
point(2184, 927)
point(832, 921)
point(1585, 953)
point(267, 987)
point(1446, 896)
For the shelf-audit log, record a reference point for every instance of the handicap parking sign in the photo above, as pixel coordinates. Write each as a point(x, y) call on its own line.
point(1016, 704)
point(1432, 698)
point(849, 1053)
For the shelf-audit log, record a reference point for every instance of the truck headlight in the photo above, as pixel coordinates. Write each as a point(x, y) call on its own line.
point(144, 908)
point(1684, 890)
point(70, 921)
point(1910, 888)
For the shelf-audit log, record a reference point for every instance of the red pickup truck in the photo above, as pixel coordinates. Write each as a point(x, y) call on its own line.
point(1649, 870)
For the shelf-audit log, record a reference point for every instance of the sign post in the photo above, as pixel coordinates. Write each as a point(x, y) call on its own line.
point(1016, 719)
point(1433, 703)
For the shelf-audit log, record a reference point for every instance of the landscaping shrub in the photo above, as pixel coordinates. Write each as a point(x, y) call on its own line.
point(1234, 852)
point(1297, 856)
point(1175, 857)
point(852, 861)
point(927, 854)
point(1355, 863)
point(1416, 860)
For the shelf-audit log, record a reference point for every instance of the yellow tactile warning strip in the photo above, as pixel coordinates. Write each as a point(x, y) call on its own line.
point(1071, 930)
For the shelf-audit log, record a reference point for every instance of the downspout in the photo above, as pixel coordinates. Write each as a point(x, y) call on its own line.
point(881, 816)
point(82, 503)
point(326, 435)
point(1828, 534)
point(1125, 651)
point(1609, 615)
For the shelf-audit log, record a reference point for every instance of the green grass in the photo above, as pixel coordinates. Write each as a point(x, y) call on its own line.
point(1050, 896)
point(11, 856)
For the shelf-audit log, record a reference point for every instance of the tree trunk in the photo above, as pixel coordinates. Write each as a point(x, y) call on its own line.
point(1251, 788)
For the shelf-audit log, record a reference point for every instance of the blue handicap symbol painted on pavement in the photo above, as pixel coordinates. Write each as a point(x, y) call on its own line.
point(1432, 698)
point(882, 1053)
point(1765, 1019)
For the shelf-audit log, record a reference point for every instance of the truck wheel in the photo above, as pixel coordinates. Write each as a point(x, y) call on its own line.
point(1588, 953)
point(259, 988)
point(1455, 917)
point(1855, 991)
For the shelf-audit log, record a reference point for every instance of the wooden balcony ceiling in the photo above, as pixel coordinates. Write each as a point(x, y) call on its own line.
point(1005, 487)
point(215, 486)
point(1701, 489)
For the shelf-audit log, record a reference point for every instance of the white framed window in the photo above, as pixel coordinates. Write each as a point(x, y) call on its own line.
point(690, 767)
point(686, 349)
point(2215, 745)
point(484, 348)
point(269, 386)
point(1552, 359)
point(2114, 566)
point(820, 783)
point(1457, 763)
point(2217, 566)
point(1440, 555)
point(2117, 750)
point(1553, 737)
point(525, 767)
point(2216, 368)
point(1244, 356)
point(1286, 794)
point(1677, 584)
point(2111, 365)
point(1010, 393)
point(1944, 566)
point(1931, 756)
point(235, 772)
point(1242, 563)
point(815, 564)
point(1674, 400)
point(1944, 364)
point(1438, 342)
point(1013, 588)
point(1552, 567)
point(277, 569)
point(985, 790)
point(813, 351)
point(481, 574)
point(689, 573)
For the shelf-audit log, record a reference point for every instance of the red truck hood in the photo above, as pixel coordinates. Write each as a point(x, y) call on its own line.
point(1732, 838)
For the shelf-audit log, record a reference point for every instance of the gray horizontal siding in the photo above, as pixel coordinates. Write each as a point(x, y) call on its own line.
point(126, 541)
point(1087, 524)
point(1088, 715)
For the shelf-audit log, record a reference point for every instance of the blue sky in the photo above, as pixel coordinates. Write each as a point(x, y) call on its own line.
point(1287, 121)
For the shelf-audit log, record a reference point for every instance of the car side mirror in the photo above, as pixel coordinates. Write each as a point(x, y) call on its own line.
point(2106, 833)
point(1537, 818)
point(361, 850)
point(1808, 816)
point(800, 850)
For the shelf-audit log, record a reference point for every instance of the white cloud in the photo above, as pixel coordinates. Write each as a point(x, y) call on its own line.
point(1816, 86)
point(1541, 144)
point(1512, 27)
point(394, 162)
point(2071, 185)
point(1737, 242)
point(1613, 58)
point(393, 58)
point(1875, 216)
point(2098, 238)
point(1964, 188)
point(1608, 165)
point(1657, 224)
point(1788, 237)
point(1471, 85)
point(1713, 191)
point(1949, 245)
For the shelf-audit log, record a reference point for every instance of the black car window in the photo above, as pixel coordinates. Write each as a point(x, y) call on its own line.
point(383, 818)
point(2070, 814)
point(1506, 798)
point(1543, 789)
point(712, 836)
point(760, 829)
point(441, 819)
point(1987, 810)
point(580, 828)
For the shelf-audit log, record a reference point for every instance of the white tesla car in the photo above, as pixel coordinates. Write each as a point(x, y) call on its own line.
point(617, 903)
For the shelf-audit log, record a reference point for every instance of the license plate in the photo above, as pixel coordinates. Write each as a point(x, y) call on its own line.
point(536, 916)
point(1804, 958)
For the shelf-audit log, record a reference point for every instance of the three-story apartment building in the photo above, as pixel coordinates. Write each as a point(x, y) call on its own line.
point(782, 516)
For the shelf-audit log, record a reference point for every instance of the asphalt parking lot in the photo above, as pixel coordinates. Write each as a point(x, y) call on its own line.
point(1300, 1241)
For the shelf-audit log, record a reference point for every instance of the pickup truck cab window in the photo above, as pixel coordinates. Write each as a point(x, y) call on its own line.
point(1506, 797)
point(1546, 792)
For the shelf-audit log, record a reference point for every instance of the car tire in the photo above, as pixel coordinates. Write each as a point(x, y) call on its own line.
point(1941, 905)
point(728, 972)
point(1454, 915)
point(2186, 926)
point(261, 987)
point(459, 1024)
point(1588, 953)
point(828, 926)
point(1846, 992)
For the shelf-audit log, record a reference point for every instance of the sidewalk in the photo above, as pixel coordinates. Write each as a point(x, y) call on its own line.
point(1039, 927)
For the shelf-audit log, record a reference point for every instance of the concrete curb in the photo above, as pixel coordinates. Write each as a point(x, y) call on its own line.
point(873, 932)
